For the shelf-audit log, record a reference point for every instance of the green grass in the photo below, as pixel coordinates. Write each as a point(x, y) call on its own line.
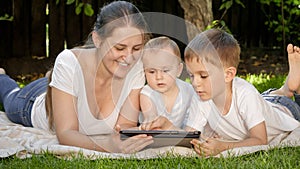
point(262, 82)
point(276, 158)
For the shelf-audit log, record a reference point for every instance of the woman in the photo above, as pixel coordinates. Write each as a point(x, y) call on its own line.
point(93, 89)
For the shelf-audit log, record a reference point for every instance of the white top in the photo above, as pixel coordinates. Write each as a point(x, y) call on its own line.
point(68, 77)
point(179, 111)
point(248, 109)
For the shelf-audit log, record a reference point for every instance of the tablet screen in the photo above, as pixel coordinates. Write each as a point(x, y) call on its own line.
point(164, 137)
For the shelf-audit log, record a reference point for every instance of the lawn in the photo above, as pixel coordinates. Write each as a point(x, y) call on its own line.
point(276, 158)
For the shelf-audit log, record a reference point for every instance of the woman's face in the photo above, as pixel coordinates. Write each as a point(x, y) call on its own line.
point(122, 50)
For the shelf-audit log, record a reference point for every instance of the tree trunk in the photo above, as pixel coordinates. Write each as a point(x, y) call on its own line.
point(199, 15)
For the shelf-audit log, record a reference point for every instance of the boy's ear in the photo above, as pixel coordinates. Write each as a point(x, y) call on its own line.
point(96, 39)
point(180, 68)
point(230, 73)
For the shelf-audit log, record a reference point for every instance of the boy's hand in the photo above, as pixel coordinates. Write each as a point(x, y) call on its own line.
point(208, 147)
point(160, 123)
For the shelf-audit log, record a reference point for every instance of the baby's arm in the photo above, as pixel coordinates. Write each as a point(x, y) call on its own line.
point(149, 111)
point(213, 146)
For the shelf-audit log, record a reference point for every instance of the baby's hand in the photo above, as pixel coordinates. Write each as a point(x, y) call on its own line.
point(117, 128)
point(160, 123)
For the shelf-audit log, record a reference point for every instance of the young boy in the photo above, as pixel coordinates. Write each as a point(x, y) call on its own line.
point(165, 94)
point(232, 108)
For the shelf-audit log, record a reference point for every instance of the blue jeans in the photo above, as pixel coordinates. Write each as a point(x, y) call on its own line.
point(293, 106)
point(18, 102)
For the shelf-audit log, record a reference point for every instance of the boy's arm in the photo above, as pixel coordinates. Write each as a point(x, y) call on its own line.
point(213, 146)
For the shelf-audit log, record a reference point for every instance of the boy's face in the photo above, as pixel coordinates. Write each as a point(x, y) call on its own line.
point(161, 69)
point(207, 79)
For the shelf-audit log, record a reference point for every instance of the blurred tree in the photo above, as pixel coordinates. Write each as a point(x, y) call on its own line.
point(197, 12)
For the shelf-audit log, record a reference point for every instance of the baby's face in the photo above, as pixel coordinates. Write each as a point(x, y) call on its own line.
point(161, 68)
point(207, 79)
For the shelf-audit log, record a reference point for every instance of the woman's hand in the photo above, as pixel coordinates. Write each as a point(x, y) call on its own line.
point(130, 145)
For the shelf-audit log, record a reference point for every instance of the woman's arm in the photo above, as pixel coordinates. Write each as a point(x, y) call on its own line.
point(67, 129)
point(130, 110)
point(213, 146)
point(66, 121)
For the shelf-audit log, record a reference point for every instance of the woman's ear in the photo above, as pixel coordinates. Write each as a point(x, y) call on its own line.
point(230, 74)
point(96, 39)
point(180, 68)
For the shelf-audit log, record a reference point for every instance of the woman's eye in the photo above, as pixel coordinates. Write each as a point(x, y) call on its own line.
point(137, 48)
point(119, 48)
point(204, 76)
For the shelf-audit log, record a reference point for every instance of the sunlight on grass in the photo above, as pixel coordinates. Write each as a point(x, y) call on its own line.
point(262, 82)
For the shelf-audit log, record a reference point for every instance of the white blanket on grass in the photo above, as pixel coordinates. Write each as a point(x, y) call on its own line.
point(23, 142)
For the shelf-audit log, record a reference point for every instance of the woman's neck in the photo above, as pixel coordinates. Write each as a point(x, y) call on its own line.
point(102, 75)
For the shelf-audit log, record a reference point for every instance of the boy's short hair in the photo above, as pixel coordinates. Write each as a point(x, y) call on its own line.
point(215, 46)
point(161, 43)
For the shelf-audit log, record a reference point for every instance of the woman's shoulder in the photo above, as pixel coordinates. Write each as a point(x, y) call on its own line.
point(66, 55)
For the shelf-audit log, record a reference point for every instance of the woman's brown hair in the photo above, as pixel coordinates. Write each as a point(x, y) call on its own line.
point(48, 101)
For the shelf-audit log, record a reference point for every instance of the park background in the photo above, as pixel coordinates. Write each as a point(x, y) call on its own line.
point(34, 32)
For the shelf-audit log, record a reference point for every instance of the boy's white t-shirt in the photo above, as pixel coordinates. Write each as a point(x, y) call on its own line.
point(179, 111)
point(248, 109)
point(68, 77)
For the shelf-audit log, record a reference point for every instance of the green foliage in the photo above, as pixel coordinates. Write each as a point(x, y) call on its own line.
point(226, 4)
point(220, 23)
point(6, 17)
point(86, 7)
point(285, 20)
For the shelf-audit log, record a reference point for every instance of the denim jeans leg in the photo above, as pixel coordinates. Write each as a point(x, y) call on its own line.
point(284, 101)
point(19, 104)
point(297, 98)
point(6, 86)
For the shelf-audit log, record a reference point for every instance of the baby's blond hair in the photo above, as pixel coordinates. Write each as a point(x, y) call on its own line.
point(163, 42)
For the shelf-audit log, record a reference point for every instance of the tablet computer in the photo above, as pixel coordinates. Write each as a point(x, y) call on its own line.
point(164, 137)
